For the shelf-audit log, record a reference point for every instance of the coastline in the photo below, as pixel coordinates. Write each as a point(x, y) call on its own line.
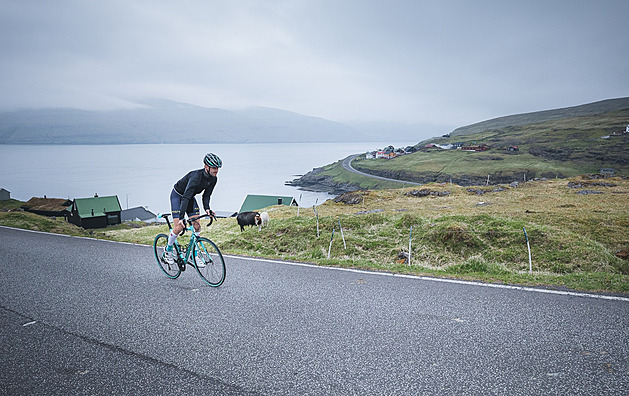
point(317, 182)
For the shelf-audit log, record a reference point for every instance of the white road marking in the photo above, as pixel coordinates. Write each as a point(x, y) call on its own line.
point(455, 281)
point(365, 272)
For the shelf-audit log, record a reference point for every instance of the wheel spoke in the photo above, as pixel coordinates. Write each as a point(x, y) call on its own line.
point(209, 262)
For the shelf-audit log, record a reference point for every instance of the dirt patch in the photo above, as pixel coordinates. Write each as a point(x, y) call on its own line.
point(623, 254)
point(588, 192)
point(589, 184)
point(481, 191)
point(352, 197)
point(426, 192)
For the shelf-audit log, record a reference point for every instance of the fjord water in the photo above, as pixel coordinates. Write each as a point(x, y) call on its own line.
point(143, 174)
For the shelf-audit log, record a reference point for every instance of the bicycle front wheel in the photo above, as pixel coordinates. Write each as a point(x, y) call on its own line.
point(159, 247)
point(209, 262)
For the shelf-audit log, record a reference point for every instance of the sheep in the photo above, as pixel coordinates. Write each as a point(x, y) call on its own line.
point(264, 220)
point(248, 219)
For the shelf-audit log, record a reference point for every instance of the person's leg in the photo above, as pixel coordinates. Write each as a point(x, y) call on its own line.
point(197, 226)
point(175, 202)
point(193, 210)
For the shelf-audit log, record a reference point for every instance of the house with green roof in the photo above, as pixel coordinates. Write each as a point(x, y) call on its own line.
point(257, 202)
point(96, 212)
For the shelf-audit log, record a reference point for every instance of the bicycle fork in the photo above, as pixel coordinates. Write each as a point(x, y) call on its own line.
point(203, 254)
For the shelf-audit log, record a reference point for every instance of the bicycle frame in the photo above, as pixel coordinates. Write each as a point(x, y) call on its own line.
point(188, 250)
point(201, 253)
point(185, 255)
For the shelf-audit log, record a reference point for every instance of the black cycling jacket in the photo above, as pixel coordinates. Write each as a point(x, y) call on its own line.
point(192, 184)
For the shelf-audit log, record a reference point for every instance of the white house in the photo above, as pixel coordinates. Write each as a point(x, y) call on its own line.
point(139, 213)
point(381, 154)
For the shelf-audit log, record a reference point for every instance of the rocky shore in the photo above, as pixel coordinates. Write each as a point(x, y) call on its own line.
point(316, 181)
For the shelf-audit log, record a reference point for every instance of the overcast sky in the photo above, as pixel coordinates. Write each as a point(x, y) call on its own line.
point(416, 61)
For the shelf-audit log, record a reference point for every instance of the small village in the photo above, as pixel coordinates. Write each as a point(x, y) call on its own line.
point(390, 152)
point(92, 212)
point(103, 211)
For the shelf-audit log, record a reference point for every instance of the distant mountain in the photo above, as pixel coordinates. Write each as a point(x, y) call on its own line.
point(164, 121)
point(604, 106)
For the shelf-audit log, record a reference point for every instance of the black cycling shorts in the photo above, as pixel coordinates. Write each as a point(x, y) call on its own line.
point(175, 204)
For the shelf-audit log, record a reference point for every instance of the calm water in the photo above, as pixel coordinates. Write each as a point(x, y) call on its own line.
point(143, 175)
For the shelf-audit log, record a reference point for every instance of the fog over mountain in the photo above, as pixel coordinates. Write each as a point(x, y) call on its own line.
point(164, 121)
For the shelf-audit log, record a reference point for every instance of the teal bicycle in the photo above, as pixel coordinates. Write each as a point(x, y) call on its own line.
point(200, 253)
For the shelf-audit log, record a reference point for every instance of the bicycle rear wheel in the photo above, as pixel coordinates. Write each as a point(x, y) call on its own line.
point(209, 262)
point(159, 247)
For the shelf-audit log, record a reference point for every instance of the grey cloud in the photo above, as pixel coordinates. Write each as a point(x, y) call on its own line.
point(435, 62)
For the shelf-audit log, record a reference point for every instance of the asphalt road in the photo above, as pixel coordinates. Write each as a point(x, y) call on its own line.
point(347, 165)
point(90, 317)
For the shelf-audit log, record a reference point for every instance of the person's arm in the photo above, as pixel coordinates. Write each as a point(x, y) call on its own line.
point(207, 194)
point(187, 196)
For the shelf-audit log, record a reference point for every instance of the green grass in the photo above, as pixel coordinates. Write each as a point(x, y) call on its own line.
point(30, 221)
point(11, 204)
point(459, 163)
point(340, 175)
point(461, 235)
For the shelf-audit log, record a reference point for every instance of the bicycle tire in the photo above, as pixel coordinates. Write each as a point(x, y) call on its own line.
point(159, 246)
point(209, 262)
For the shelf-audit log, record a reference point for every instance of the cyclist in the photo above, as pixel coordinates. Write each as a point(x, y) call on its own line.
point(182, 198)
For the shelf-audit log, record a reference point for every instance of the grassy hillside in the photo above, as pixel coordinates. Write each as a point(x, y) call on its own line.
point(551, 149)
point(590, 109)
point(577, 228)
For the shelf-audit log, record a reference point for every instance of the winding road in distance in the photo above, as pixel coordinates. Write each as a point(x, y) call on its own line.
point(87, 316)
point(347, 165)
